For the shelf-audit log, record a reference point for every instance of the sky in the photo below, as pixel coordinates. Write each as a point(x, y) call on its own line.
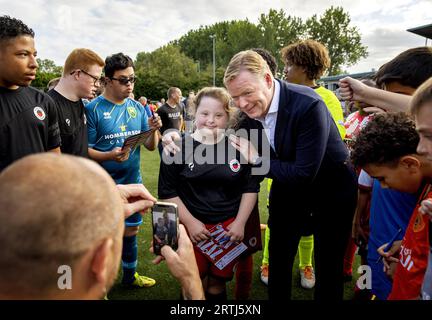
point(132, 26)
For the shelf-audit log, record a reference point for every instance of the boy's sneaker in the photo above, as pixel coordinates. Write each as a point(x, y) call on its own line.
point(142, 281)
point(264, 274)
point(307, 277)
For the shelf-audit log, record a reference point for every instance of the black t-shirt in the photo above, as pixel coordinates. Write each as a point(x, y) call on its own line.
point(28, 124)
point(211, 192)
point(171, 117)
point(72, 123)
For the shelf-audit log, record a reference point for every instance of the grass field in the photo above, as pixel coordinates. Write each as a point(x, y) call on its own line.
point(166, 286)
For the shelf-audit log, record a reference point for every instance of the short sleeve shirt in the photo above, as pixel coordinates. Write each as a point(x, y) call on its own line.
point(28, 124)
point(108, 126)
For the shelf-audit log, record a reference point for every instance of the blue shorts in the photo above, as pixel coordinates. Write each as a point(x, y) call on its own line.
point(134, 220)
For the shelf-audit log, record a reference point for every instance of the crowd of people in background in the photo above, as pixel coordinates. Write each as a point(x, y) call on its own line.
point(339, 184)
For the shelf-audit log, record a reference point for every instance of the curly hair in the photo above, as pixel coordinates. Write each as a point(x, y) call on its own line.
point(385, 139)
point(309, 54)
point(12, 28)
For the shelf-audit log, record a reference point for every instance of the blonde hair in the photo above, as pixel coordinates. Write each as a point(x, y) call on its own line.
point(221, 95)
point(83, 59)
point(422, 96)
point(246, 60)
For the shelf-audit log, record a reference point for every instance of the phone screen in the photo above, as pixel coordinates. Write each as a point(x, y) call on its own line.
point(165, 223)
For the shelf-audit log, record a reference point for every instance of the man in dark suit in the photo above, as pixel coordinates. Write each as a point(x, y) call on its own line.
point(310, 171)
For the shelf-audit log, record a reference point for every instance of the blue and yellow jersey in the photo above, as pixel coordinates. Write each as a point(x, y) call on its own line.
point(108, 126)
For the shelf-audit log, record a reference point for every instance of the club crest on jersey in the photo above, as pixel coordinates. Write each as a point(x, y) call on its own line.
point(39, 113)
point(132, 112)
point(234, 165)
point(68, 122)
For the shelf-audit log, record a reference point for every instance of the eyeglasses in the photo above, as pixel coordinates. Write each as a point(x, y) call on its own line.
point(124, 81)
point(97, 81)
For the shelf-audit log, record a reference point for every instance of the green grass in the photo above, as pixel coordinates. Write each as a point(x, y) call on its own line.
point(166, 285)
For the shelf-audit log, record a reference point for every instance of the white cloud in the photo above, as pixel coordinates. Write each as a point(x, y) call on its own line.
point(131, 26)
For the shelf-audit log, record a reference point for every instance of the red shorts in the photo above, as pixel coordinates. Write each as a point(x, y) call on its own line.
point(206, 267)
point(252, 239)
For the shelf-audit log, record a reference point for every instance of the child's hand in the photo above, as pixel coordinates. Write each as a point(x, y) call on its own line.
point(389, 260)
point(235, 231)
point(426, 207)
point(197, 231)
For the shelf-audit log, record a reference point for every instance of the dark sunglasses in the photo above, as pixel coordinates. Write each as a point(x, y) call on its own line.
point(125, 81)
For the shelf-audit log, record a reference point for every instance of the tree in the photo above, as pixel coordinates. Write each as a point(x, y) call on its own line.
point(163, 68)
point(47, 70)
point(197, 44)
point(342, 40)
point(241, 35)
point(279, 30)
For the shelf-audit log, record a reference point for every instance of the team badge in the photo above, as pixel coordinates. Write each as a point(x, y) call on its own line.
point(132, 112)
point(418, 224)
point(39, 113)
point(253, 242)
point(68, 122)
point(234, 165)
point(191, 166)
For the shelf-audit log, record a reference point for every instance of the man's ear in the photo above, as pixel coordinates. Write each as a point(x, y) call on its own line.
point(268, 80)
point(101, 260)
point(410, 162)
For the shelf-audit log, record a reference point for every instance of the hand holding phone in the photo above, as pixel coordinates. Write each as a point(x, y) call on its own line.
point(165, 223)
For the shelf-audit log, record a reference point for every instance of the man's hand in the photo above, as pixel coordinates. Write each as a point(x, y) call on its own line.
point(168, 142)
point(182, 265)
point(155, 122)
point(119, 155)
point(245, 147)
point(136, 198)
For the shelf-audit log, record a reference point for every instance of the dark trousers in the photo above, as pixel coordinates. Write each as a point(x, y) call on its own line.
point(332, 200)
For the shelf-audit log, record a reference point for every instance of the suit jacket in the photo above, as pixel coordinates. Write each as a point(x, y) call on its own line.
point(308, 148)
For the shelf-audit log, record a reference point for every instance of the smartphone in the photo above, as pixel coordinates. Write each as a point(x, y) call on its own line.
point(165, 222)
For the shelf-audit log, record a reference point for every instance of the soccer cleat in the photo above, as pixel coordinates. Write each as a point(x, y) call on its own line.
point(142, 281)
point(264, 273)
point(307, 277)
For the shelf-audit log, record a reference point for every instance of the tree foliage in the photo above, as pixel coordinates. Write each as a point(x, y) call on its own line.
point(342, 40)
point(47, 70)
point(163, 68)
point(188, 62)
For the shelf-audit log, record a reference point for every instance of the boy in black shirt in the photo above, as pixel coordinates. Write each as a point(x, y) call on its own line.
point(80, 80)
point(28, 117)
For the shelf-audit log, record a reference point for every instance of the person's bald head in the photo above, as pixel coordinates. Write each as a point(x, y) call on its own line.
point(57, 210)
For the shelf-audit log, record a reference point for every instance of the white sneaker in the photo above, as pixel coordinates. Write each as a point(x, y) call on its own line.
point(307, 276)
